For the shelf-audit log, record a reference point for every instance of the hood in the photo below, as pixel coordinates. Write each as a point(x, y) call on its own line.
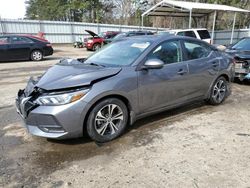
point(72, 73)
point(239, 53)
point(92, 33)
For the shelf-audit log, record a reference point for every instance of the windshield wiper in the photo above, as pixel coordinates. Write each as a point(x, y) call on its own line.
point(95, 64)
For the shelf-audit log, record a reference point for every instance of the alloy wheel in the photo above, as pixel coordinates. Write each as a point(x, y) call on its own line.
point(219, 91)
point(108, 120)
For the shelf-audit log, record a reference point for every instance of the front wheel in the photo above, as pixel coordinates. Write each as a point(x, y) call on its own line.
point(36, 55)
point(107, 120)
point(96, 47)
point(219, 91)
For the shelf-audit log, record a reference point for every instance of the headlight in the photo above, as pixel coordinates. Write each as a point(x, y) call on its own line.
point(61, 99)
point(90, 41)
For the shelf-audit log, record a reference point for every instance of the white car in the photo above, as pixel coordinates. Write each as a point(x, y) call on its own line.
point(201, 33)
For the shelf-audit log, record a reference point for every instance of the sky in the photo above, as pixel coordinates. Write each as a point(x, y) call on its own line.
point(12, 9)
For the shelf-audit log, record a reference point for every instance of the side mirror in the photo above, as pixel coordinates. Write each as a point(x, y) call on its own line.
point(153, 64)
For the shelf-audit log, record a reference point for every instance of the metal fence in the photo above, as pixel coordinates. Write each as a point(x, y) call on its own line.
point(68, 32)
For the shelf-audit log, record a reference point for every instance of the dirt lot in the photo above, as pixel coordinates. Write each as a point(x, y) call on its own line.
point(193, 146)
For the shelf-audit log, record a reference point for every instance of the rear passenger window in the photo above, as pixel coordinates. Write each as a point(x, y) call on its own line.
point(21, 40)
point(168, 52)
point(190, 34)
point(196, 51)
point(204, 34)
point(187, 34)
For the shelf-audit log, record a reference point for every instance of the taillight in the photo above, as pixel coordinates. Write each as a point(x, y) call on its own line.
point(49, 45)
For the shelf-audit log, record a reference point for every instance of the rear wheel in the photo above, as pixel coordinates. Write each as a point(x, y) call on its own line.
point(107, 120)
point(36, 55)
point(219, 91)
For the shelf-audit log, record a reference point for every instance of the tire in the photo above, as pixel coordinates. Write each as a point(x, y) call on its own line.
point(219, 91)
point(96, 47)
point(36, 55)
point(103, 126)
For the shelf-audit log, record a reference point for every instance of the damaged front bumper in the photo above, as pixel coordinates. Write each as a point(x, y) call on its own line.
point(56, 122)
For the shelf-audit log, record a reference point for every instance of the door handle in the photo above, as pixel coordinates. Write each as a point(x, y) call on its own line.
point(181, 72)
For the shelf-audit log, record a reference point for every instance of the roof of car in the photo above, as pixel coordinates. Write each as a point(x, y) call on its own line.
point(157, 38)
point(25, 35)
point(194, 29)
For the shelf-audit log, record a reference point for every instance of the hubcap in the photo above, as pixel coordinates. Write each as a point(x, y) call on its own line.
point(37, 55)
point(219, 91)
point(108, 120)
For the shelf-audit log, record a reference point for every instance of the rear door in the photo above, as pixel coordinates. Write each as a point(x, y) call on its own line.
point(20, 47)
point(203, 65)
point(4, 43)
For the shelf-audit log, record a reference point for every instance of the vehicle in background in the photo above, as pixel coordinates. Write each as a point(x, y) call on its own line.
point(128, 80)
point(79, 44)
point(131, 34)
point(24, 47)
point(96, 41)
point(241, 53)
point(201, 34)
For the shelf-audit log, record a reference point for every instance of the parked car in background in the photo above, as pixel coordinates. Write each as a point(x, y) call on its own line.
point(241, 53)
point(96, 41)
point(131, 34)
point(201, 34)
point(128, 80)
point(24, 47)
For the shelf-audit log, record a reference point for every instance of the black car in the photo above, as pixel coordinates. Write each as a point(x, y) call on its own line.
point(241, 53)
point(24, 47)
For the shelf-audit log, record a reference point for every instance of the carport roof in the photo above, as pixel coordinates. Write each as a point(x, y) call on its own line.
point(183, 8)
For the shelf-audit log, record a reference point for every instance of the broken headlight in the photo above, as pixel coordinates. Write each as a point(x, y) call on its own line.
point(61, 99)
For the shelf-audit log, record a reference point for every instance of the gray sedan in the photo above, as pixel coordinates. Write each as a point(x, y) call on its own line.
point(125, 81)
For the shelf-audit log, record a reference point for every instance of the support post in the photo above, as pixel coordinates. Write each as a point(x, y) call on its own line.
point(232, 35)
point(1, 26)
point(142, 22)
point(190, 19)
point(214, 22)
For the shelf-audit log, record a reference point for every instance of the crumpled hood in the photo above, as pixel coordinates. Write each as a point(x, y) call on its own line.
point(72, 73)
point(236, 52)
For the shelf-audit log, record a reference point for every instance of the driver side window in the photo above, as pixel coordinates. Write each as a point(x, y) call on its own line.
point(168, 52)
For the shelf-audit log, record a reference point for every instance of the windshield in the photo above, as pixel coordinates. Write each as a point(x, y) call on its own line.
point(243, 44)
point(121, 53)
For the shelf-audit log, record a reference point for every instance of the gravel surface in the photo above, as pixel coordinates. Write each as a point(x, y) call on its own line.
point(193, 146)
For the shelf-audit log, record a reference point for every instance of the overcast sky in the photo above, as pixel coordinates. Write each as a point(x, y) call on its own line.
point(12, 8)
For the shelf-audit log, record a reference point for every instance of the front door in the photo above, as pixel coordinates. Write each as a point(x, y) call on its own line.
point(159, 88)
point(20, 47)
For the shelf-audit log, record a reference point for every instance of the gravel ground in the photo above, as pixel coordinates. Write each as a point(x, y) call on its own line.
point(193, 146)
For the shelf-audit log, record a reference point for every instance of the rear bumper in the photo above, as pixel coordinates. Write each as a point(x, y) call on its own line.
point(48, 51)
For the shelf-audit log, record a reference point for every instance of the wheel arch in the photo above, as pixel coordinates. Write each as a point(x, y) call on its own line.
point(225, 75)
point(36, 49)
point(125, 100)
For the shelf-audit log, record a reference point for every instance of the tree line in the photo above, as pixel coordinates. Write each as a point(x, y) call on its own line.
point(127, 12)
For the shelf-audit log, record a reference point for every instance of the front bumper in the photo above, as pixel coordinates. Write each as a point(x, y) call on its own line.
point(56, 122)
